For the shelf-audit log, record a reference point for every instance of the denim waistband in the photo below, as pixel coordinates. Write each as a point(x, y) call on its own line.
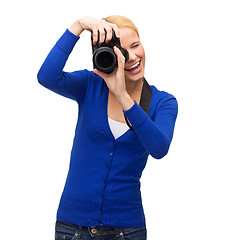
point(92, 231)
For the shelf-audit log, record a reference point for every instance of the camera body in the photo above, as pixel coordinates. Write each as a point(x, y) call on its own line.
point(104, 57)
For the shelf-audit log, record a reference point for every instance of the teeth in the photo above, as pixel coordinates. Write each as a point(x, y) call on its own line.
point(133, 66)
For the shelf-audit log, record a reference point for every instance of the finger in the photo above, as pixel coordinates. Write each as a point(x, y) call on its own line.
point(95, 36)
point(108, 30)
point(116, 29)
point(101, 35)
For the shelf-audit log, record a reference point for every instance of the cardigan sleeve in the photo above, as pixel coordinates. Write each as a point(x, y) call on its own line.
point(156, 135)
point(52, 76)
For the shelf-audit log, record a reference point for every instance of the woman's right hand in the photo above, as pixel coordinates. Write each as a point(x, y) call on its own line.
point(96, 26)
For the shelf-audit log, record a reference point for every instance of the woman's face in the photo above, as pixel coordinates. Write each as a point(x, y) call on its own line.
point(134, 67)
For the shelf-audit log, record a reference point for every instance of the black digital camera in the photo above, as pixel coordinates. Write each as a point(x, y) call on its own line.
point(104, 57)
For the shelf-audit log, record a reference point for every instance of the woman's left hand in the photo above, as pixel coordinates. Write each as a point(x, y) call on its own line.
point(116, 81)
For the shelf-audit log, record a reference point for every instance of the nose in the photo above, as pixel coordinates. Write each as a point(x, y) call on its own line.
point(132, 57)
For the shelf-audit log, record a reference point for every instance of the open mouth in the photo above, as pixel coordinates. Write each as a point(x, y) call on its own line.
point(134, 67)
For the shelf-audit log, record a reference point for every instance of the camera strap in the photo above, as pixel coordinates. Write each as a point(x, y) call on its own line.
point(145, 99)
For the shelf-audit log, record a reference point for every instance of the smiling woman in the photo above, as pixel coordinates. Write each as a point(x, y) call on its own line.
point(129, 38)
point(102, 197)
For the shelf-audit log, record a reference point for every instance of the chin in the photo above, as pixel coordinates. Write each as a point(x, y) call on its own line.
point(134, 78)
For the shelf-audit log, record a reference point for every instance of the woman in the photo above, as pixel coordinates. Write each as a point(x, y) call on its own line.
point(101, 198)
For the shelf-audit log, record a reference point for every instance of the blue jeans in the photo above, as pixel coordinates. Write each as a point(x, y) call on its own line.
point(73, 232)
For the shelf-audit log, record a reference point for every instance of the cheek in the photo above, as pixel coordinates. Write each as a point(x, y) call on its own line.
point(142, 53)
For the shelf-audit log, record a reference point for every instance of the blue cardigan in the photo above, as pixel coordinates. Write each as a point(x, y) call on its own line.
point(103, 182)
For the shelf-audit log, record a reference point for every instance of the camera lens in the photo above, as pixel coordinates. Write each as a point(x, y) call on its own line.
point(104, 59)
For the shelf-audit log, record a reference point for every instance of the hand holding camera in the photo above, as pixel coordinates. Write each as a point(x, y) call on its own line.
point(104, 37)
point(98, 27)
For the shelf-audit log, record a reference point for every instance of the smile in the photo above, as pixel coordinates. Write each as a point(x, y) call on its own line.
point(133, 67)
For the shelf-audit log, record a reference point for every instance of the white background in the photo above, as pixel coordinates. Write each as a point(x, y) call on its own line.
point(184, 194)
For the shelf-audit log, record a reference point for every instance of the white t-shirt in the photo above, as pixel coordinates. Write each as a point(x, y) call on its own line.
point(117, 128)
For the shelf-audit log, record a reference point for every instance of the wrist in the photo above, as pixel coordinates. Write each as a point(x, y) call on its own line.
point(125, 101)
point(76, 28)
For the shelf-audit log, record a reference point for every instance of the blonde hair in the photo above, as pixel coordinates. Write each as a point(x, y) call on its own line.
point(121, 21)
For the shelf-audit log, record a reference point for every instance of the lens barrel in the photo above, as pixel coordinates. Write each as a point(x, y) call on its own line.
point(105, 60)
